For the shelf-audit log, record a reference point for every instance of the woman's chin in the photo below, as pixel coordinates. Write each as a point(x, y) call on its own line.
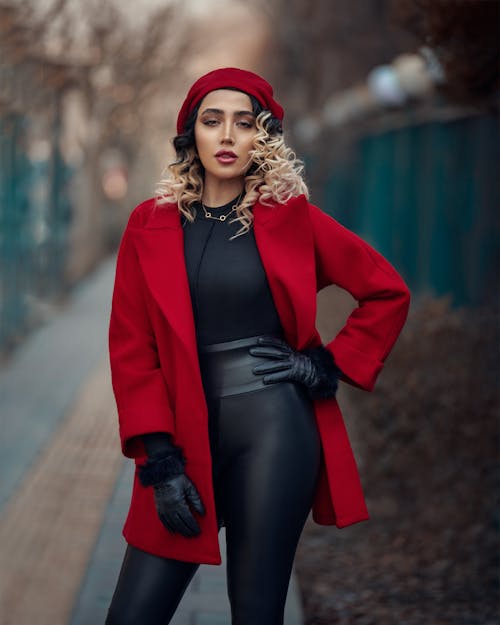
point(225, 173)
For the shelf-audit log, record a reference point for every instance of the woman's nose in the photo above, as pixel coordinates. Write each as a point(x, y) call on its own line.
point(227, 133)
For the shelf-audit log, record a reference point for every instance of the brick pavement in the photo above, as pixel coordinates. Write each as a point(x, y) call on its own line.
point(39, 382)
point(50, 523)
point(64, 487)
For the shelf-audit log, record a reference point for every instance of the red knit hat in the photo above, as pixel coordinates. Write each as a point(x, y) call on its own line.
point(240, 79)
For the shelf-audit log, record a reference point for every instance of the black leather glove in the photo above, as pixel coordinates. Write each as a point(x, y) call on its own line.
point(314, 367)
point(174, 492)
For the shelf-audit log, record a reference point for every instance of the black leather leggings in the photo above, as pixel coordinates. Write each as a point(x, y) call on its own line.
point(266, 455)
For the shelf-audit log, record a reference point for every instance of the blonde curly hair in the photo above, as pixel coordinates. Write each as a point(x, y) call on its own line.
point(275, 174)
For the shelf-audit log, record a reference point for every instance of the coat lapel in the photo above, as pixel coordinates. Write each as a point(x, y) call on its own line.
point(285, 244)
point(160, 247)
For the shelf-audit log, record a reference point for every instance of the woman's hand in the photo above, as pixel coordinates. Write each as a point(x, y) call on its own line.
point(172, 499)
point(174, 492)
point(314, 367)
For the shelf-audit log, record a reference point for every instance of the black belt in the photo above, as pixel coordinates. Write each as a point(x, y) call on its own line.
point(226, 368)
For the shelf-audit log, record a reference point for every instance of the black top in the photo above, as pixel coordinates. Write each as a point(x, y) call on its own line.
point(229, 288)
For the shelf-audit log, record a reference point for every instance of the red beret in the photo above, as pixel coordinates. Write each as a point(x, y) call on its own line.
point(240, 79)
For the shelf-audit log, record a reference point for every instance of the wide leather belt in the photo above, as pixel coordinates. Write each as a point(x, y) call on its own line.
point(226, 368)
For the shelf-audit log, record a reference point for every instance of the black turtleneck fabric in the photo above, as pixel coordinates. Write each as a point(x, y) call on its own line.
point(229, 288)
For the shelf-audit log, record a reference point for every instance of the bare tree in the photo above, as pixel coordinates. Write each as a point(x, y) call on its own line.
point(465, 38)
point(120, 69)
point(323, 46)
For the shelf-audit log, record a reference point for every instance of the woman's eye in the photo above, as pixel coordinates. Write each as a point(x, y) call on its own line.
point(240, 124)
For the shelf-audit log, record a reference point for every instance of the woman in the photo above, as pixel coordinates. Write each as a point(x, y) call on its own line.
point(225, 393)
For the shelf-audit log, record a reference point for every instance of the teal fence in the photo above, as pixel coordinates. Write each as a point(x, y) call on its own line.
point(426, 196)
point(35, 212)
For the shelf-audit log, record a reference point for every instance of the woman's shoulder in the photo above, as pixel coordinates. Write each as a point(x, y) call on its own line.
point(296, 202)
point(319, 216)
point(302, 202)
point(151, 212)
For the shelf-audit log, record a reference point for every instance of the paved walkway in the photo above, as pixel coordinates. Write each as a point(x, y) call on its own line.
point(64, 486)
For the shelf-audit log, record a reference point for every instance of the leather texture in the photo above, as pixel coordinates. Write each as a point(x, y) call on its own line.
point(174, 492)
point(315, 368)
point(173, 498)
point(266, 454)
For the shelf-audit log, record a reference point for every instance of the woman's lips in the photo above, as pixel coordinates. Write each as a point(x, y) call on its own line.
point(226, 158)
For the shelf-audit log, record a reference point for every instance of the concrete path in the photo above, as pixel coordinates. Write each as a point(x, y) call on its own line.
point(39, 383)
point(64, 486)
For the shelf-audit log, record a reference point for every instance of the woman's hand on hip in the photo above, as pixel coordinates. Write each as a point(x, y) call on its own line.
point(315, 367)
point(285, 363)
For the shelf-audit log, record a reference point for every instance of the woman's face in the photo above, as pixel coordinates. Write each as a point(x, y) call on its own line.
point(224, 131)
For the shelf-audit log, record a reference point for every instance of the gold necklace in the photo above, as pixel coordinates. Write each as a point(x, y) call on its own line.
point(209, 215)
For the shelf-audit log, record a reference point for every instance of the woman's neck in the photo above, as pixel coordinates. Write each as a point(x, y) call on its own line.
point(219, 192)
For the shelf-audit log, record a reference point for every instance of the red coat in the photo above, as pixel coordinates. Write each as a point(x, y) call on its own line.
point(154, 362)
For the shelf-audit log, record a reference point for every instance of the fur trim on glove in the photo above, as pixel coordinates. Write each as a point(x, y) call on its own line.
point(157, 470)
point(327, 371)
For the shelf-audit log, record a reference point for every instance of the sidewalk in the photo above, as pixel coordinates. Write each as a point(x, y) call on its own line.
point(64, 486)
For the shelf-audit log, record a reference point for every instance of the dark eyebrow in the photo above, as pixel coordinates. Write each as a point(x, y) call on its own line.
point(221, 112)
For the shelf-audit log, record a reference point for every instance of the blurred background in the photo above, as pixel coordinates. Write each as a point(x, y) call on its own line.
point(393, 106)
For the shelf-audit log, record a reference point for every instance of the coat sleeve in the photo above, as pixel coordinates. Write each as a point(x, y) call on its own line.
point(138, 384)
point(344, 259)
